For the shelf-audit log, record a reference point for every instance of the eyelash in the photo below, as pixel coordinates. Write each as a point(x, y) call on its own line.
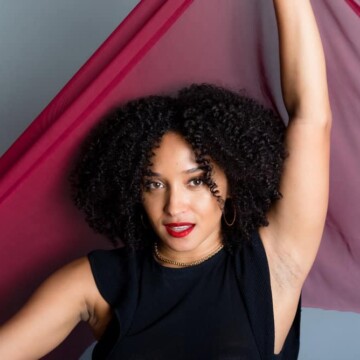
point(150, 185)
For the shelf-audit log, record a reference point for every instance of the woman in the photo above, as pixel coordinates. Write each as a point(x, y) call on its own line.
point(215, 257)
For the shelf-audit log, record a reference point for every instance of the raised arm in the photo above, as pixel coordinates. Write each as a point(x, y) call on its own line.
point(296, 221)
point(66, 298)
point(303, 69)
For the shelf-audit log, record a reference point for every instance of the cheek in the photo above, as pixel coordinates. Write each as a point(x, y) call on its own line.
point(152, 205)
point(208, 206)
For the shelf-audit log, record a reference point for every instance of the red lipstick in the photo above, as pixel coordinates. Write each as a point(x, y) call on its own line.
point(179, 230)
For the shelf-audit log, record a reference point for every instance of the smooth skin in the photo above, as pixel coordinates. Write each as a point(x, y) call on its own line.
point(176, 194)
point(293, 237)
point(296, 221)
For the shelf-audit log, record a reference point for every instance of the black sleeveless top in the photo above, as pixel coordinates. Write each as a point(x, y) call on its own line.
point(219, 309)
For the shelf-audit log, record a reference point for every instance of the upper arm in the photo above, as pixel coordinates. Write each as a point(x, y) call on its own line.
point(297, 220)
point(63, 300)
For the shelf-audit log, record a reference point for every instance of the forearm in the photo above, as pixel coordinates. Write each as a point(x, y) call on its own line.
point(303, 69)
point(26, 337)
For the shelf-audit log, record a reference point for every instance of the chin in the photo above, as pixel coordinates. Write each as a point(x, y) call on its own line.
point(180, 244)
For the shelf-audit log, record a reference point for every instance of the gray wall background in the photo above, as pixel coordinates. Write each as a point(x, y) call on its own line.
point(42, 44)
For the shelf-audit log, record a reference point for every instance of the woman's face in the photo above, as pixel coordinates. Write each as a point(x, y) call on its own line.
point(181, 209)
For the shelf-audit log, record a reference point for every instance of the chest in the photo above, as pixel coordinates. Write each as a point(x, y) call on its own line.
point(182, 315)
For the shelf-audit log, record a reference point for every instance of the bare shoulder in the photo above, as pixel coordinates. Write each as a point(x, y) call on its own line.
point(77, 276)
point(75, 284)
point(98, 311)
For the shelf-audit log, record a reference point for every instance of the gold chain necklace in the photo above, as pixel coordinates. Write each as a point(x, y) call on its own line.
point(182, 264)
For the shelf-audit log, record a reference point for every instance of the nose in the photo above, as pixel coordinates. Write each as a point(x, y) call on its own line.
point(176, 202)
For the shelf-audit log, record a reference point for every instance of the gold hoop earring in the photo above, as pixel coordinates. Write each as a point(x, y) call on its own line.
point(229, 224)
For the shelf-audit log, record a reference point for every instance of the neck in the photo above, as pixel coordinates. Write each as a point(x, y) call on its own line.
point(182, 260)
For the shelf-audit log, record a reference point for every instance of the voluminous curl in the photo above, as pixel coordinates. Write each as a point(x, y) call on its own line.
point(235, 131)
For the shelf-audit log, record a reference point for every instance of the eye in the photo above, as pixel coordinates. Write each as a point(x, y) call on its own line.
point(153, 185)
point(196, 182)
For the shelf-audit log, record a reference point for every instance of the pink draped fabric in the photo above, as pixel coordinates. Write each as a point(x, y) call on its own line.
point(161, 46)
point(334, 280)
point(354, 5)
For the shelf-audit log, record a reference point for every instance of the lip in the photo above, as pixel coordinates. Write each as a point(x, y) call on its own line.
point(179, 230)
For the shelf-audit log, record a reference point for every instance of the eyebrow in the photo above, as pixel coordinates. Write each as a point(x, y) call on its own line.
point(189, 171)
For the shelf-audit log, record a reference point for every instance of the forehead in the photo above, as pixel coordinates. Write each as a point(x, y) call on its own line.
point(175, 158)
point(173, 151)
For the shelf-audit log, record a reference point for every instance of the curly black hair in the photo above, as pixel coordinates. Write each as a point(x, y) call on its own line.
point(240, 135)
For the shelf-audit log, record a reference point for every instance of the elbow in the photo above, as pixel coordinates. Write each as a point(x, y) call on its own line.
point(326, 121)
point(321, 118)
